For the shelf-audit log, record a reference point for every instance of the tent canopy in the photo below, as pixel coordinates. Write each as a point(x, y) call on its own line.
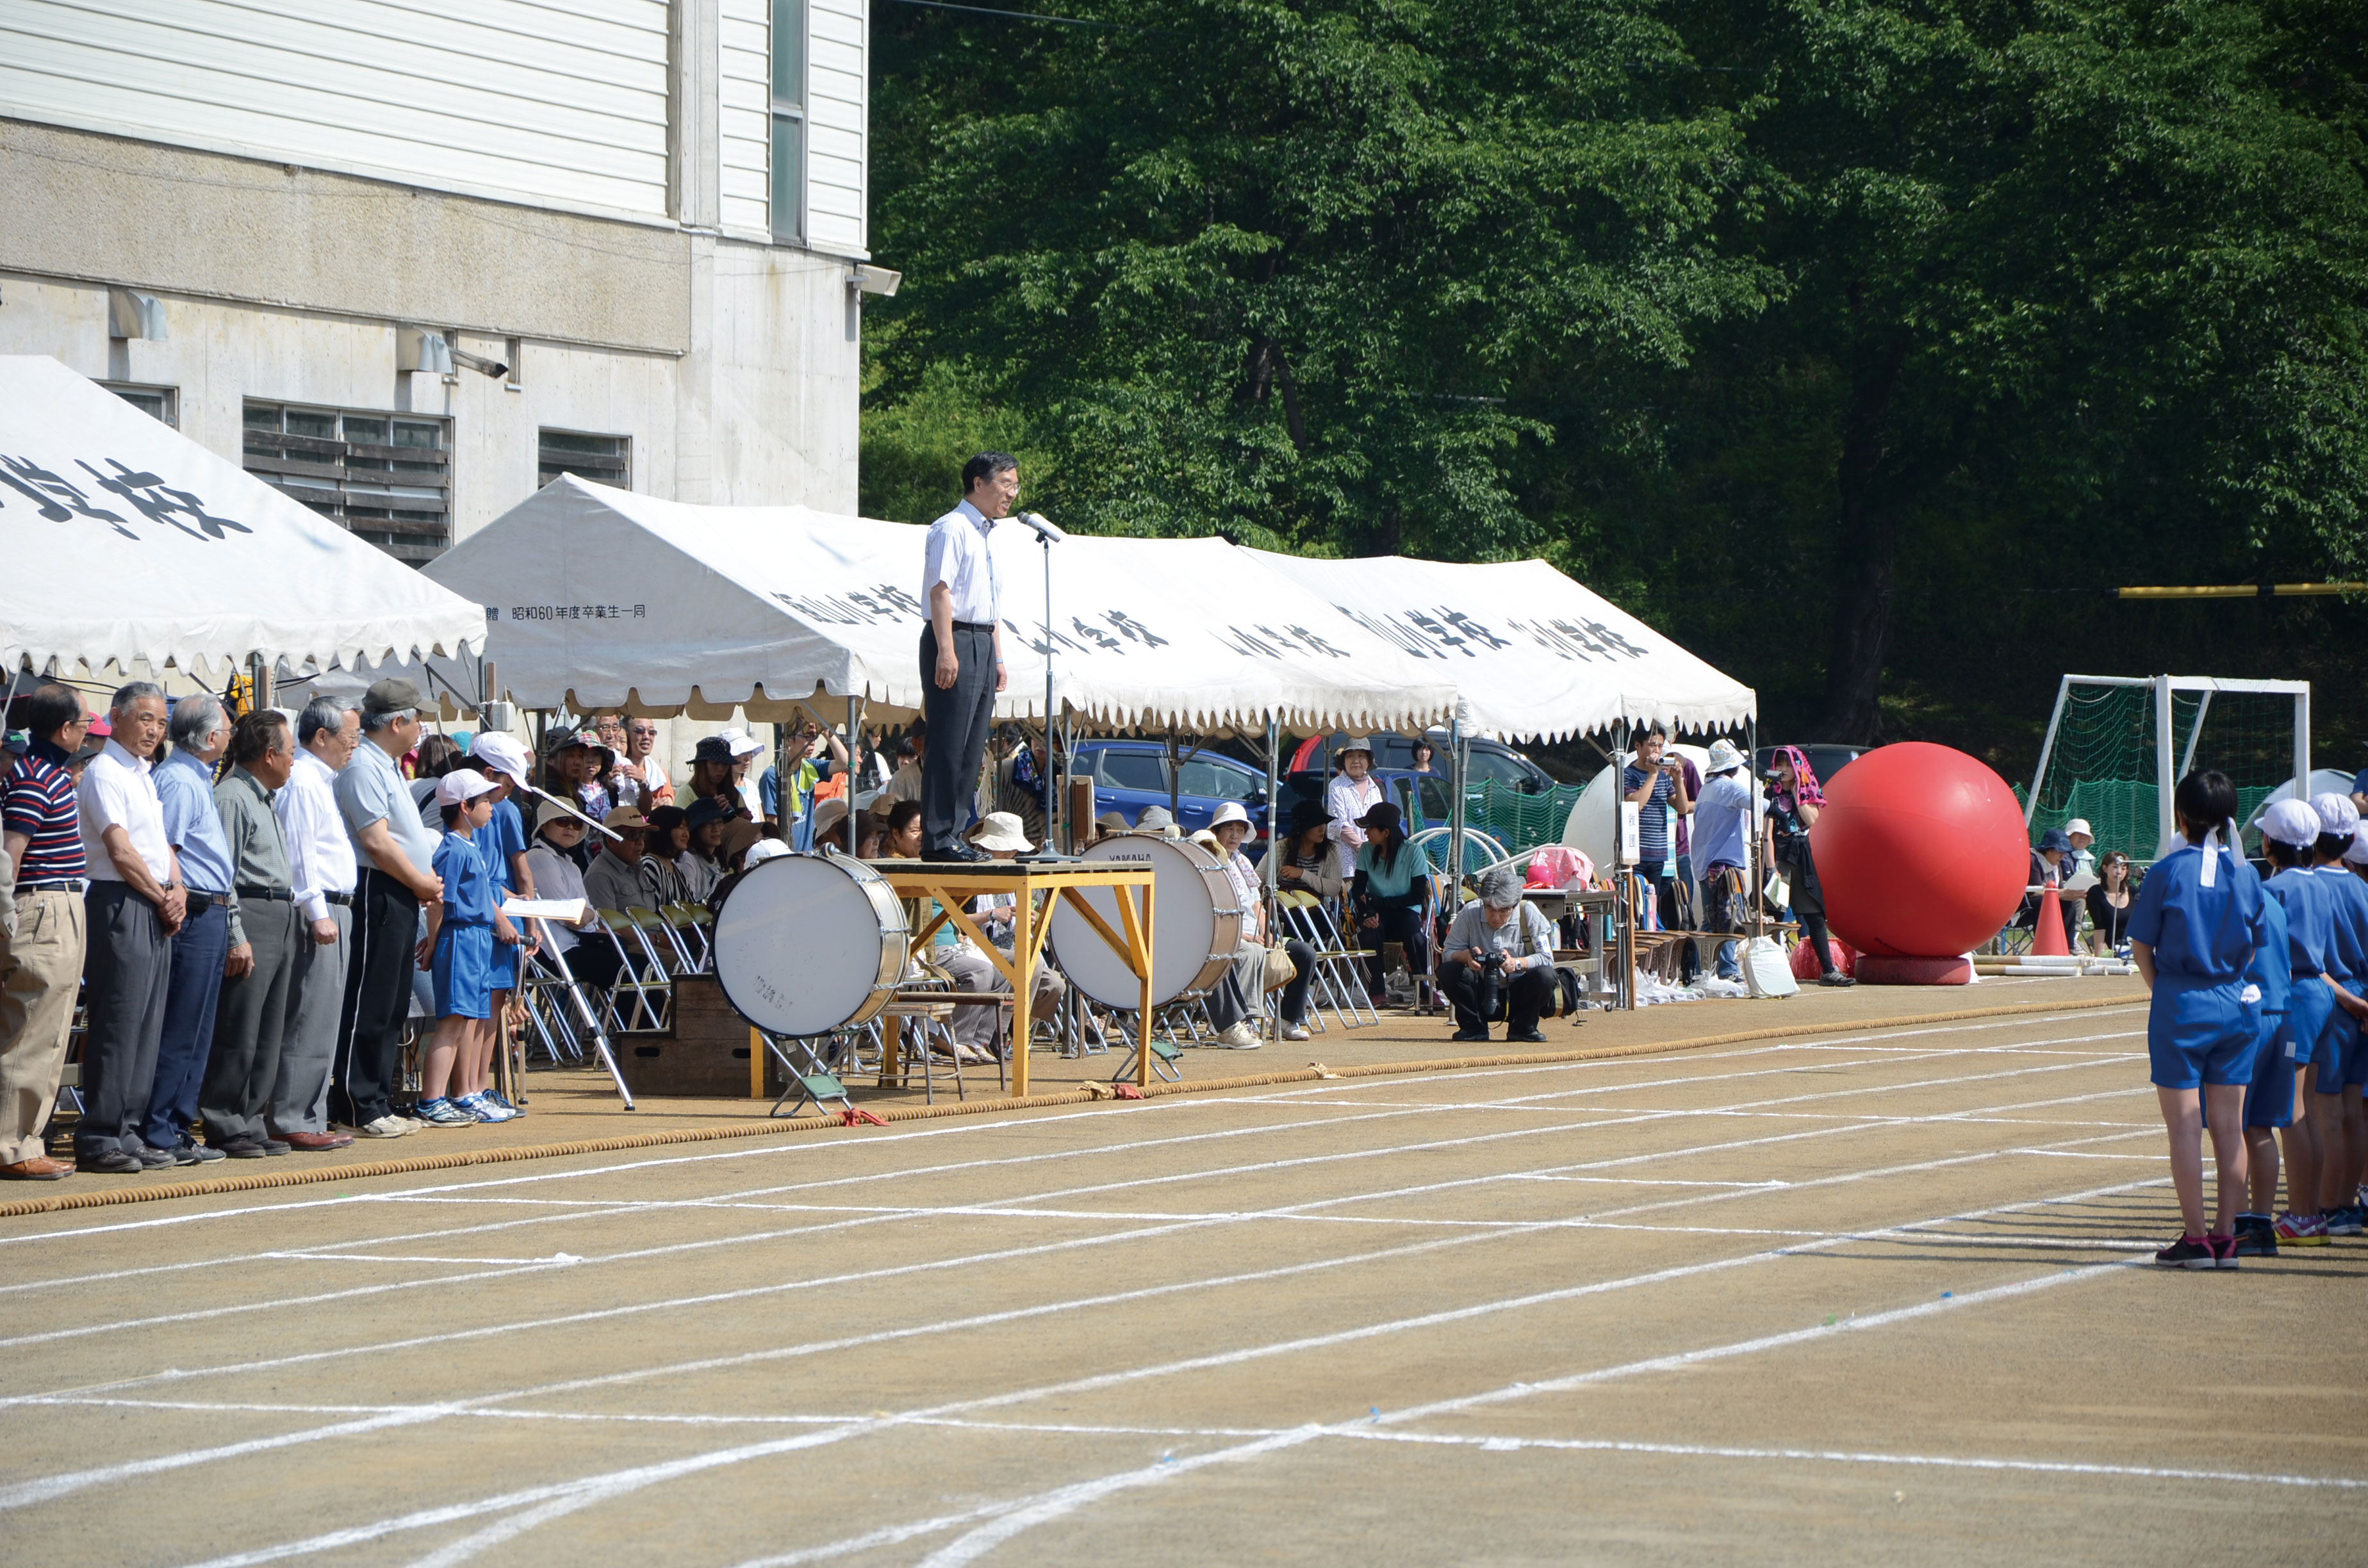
point(128, 541)
point(606, 598)
point(1531, 653)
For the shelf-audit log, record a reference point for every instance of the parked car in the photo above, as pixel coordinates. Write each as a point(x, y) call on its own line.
point(1131, 775)
point(1492, 762)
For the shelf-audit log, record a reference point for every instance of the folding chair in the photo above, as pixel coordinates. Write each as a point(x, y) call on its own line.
point(1165, 1060)
point(694, 930)
point(1339, 978)
point(641, 999)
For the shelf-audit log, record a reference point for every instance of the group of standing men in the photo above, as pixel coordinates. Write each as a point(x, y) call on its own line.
point(243, 945)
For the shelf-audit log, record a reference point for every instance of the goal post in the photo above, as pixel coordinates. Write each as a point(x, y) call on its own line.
point(2116, 746)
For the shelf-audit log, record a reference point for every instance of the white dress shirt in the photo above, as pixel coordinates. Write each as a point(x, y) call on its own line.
point(957, 556)
point(320, 853)
point(117, 792)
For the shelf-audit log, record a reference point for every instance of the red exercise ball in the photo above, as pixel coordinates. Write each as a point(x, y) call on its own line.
point(1920, 850)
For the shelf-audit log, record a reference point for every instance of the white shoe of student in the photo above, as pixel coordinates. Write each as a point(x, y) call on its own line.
point(1294, 1032)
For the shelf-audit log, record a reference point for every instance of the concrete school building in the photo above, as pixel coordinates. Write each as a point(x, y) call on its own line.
point(409, 260)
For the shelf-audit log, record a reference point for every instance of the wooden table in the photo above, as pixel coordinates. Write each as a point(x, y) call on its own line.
point(1035, 886)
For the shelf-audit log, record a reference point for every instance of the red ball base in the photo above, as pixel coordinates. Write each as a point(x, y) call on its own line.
point(1881, 968)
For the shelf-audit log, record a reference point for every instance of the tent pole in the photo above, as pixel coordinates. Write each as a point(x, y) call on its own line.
point(1273, 838)
point(1175, 797)
point(1459, 765)
point(854, 765)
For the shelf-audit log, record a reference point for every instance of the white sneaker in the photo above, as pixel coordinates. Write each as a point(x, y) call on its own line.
point(1238, 1038)
point(387, 1125)
point(1294, 1032)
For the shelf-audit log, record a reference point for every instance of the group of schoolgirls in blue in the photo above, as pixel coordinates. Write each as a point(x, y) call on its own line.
point(473, 950)
point(2254, 1028)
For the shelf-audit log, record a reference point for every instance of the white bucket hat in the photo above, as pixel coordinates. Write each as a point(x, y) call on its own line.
point(1231, 811)
point(1001, 830)
point(2079, 825)
point(764, 849)
point(1723, 755)
point(1357, 742)
point(742, 742)
point(2358, 854)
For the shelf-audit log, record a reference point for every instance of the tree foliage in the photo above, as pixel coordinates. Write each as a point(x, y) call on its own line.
point(1844, 338)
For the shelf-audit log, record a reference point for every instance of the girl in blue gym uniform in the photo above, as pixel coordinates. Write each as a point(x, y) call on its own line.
point(463, 960)
point(2334, 1104)
point(2196, 926)
point(2296, 968)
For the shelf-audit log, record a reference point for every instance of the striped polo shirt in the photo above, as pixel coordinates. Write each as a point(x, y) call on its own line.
point(39, 801)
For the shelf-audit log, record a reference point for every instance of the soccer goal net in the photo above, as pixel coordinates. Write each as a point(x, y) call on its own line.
point(2117, 745)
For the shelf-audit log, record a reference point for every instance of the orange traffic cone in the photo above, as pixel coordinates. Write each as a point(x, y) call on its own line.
point(2047, 932)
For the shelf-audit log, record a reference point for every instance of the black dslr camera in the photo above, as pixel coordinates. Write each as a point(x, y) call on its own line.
point(1492, 980)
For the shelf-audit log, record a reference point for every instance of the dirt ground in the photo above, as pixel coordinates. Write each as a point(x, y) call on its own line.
point(1873, 1289)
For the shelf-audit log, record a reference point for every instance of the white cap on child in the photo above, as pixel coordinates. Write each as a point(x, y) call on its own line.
point(2336, 814)
point(462, 785)
point(502, 752)
point(2290, 823)
point(2358, 854)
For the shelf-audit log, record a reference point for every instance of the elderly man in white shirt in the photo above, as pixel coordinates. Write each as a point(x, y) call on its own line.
point(961, 650)
point(135, 905)
point(322, 872)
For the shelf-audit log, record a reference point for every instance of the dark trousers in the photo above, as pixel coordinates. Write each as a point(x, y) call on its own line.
point(1722, 911)
point(1294, 995)
point(123, 972)
point(1403, 926)
point(192, 989)
point(1522, 998)
point(959, 720)
point(251, 1023)
point(378, 998)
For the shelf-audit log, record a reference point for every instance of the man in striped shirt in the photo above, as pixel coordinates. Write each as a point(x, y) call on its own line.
point(41, 953)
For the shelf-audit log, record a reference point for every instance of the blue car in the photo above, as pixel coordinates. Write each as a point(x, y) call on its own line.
point(1131, 775)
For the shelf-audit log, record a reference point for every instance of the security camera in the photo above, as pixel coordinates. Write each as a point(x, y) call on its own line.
point(478, 363)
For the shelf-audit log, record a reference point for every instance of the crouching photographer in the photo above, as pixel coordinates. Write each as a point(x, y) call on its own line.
point(1500, 958)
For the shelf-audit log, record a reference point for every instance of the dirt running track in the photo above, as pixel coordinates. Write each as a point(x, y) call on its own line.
point(1882, 1295)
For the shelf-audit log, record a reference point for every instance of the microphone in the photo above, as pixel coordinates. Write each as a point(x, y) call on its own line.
point(1042, 527)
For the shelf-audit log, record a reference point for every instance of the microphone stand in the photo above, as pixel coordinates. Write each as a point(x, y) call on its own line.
point(1044, 849)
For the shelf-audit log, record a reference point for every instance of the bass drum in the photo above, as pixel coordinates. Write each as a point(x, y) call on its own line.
point(1197, 922)
point(807, 944)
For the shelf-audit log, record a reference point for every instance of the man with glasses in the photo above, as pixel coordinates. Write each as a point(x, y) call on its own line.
point(639, 770)
point(42, 934)
point(396, 883)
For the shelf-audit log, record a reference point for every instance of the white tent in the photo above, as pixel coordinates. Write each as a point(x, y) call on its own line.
point(124, 541)
point(1532, 653)
point(606, 598)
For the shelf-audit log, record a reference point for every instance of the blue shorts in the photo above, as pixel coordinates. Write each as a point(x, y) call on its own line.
point(2198, 1032)
point(504, 972)
point(2337, 1050)
point(2270, 1101)
point(458, 972)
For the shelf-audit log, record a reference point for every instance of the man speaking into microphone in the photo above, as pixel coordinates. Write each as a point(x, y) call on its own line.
point(961, 650)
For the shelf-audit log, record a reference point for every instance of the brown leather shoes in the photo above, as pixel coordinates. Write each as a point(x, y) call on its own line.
point(40, 1167)
point(315, 1142)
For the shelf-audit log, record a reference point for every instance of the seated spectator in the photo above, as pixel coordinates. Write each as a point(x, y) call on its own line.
point(1503, 927)
point(2051, 858)
point(640, 778)
point(556, 859)
point(1239, 999)
point(1308, 863)
point(870, 843)
point(713, 772)
point(830, 825)
point(974, 1024)
point(665, 833)
point(612, 881)
point(579, 772)
point(2080, 836)
point(901, 838)
point(2110, 903)
point(1106, 824)
point(1159, 819)
point(1392, 882)
point(904, 784)
point(744, 749)
point(701, 861)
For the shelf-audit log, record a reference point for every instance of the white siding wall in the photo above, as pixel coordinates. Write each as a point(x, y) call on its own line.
point(745, 111)
point(837, 107)
point(562, 103)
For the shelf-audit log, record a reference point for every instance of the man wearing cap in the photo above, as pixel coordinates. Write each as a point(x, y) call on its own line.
point(613, 878)
point(396, 855)
point(961, 650)
point(135, 905)
point(41, 944)
point(208, 946)
point(322, 875)
point(1722, 839)
point(252, 1019)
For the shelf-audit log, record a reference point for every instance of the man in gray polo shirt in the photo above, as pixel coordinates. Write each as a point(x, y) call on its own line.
point(397, 880)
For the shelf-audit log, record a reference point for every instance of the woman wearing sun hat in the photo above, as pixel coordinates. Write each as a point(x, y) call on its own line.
point(1351, 795)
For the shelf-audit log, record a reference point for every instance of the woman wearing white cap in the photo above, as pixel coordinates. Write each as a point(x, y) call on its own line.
point(1353, 794)
point(1002, 836)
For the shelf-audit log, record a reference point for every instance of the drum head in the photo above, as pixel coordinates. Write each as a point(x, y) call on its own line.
point(798, 945)
point(1184, 923)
